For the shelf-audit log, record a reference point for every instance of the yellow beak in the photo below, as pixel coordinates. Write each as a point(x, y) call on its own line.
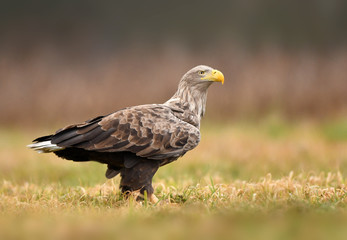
point(215, 76)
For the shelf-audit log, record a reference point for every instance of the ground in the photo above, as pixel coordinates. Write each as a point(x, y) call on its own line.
point(270, 179)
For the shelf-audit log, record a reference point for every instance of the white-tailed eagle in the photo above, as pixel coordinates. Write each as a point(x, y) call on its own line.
point(136, 141)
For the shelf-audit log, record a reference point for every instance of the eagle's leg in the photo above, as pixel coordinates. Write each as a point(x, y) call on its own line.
point(139, 178)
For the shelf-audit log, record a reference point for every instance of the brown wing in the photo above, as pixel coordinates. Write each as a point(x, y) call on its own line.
point(150, 131)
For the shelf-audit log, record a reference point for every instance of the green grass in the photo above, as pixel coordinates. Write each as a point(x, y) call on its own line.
point(335, 131)
point(267, 179)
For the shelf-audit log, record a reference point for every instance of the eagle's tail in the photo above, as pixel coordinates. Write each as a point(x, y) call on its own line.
point(44, 145)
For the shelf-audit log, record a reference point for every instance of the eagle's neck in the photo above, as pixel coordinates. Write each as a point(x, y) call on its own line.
point(191, 100)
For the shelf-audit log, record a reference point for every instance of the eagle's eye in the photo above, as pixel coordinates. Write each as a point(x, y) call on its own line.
point(201, 72)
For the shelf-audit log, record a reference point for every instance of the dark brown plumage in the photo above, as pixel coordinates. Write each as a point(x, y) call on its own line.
point(136, 141)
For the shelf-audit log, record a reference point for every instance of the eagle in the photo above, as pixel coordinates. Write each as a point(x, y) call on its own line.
point(135, 141)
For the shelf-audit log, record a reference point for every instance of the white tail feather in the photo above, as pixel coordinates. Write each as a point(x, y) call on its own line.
point(44, 147)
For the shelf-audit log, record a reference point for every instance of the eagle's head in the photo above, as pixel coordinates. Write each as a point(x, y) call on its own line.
point(192, 90)
point(201, 77)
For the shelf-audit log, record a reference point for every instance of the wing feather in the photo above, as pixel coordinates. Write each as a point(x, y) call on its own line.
point(150, 131)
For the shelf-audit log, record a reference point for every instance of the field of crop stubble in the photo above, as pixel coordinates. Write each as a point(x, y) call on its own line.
point(267, 178)
point(255, 174)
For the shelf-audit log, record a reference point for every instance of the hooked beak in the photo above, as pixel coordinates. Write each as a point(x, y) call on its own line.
point(214, 76)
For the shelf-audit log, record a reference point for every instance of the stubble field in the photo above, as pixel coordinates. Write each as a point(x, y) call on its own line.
point(269, 178)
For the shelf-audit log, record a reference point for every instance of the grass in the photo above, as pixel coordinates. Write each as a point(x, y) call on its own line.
point(267, 179)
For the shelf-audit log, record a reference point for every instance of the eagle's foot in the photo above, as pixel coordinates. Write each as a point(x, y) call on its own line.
point(151, 198)
point(138, 196)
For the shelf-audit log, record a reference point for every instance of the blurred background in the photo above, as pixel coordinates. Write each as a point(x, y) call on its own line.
point(66, 61)
point(274, 135)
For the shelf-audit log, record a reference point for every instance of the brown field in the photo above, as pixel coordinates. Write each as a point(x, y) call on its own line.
point(269, 179)
point(272, 162)
point(46, 86)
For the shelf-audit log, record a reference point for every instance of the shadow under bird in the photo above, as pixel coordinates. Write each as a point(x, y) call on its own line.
point(135, 141)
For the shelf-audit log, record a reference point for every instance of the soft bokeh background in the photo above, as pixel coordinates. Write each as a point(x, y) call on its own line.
point(274, 139)
point(63, 61)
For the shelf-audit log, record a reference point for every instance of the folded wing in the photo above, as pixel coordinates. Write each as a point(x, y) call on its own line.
point(150, 131)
